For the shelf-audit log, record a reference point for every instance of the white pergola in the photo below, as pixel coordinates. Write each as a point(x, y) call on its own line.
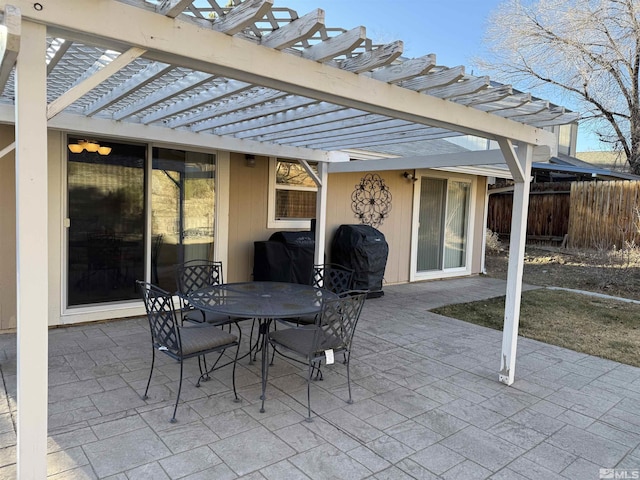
point(247, 77)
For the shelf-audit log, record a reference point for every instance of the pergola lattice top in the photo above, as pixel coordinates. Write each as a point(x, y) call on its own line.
point(144, 91)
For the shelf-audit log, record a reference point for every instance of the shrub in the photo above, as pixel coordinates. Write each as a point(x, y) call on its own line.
point(493, 244)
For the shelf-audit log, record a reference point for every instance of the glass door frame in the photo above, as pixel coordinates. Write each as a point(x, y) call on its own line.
point(414, 274)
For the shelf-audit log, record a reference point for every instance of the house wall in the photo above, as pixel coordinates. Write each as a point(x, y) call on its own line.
point(248, 199)
point(248, 194)
point(480, 222)
point(396, 228)
point(8, 230)
point(246, 220)
point(7, 233)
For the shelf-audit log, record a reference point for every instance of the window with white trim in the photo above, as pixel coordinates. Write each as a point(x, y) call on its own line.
point(292, 194)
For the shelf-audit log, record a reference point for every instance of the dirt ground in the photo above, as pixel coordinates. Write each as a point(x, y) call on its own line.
point(615, 273)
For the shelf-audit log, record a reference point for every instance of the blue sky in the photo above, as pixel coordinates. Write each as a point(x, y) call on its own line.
point(452, 29)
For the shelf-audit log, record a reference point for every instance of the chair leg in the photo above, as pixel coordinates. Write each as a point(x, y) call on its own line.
point(347, 357)
point(233, 374)
point(202, 366)
point(252, 358)
point(312, 367)
point(153, 359)
point(173, 419)
point(265, 372)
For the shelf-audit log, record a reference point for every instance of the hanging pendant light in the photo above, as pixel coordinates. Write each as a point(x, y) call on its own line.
point(90, 146)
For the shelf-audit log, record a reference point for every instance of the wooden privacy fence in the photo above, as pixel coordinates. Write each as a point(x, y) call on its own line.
point(604, 214)
point(548, 218)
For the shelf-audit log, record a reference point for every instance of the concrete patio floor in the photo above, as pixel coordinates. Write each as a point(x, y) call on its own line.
point(427, 405)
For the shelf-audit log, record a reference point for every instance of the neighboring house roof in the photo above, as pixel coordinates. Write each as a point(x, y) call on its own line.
point(569, 168)
point(240, 93)
point(605, 159)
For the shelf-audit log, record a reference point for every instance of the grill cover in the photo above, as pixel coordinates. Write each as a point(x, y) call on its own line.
point(285, 257)
point(365, 250)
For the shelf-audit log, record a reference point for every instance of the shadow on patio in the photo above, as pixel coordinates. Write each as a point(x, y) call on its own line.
point(427, 405)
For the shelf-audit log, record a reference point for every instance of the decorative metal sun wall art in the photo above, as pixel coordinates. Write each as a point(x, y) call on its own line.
point(371, 200)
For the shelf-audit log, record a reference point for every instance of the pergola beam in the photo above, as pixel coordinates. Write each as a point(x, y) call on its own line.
point(291, 119)
point(176, 88)
point(10, 32)
point(405, 70)
point(465, 86)
point(221, 91)
point(339, 45)
point(173, 8)
point(242, 16)
point(295, 31)
point(279, 105)
point(77, 91)
point(441, 78)
point(484, 157)
point(373, 59)
point(148, 75)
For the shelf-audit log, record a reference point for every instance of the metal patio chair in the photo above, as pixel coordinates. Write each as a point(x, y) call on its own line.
point(331, 334)
point(194, 275)
point(181, 343)
point(332, 277)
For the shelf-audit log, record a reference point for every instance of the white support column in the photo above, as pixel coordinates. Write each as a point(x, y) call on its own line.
point(32, 252)
point(516, 263)
point(321, 212)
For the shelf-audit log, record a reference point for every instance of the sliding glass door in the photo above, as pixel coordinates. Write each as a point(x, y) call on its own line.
point(111, 215)
point(106, 234)
point(443, 225)
point(182, 206)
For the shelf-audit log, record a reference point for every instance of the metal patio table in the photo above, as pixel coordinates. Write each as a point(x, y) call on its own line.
point(263, 301)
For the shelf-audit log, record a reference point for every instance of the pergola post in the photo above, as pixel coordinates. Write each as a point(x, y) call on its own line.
point(32, 252)
point(321, 212)
point(520, 165)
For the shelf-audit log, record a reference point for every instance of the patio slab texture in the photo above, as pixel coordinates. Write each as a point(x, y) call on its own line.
point(427, 405)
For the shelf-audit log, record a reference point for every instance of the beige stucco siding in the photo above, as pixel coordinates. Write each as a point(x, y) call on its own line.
point(7, 233)
point(396, 228)
point(480, 223)
point(248, 194)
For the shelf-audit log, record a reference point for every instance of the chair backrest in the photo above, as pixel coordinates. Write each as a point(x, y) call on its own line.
point(196, 274)
point(332, 277)
point(338, 320)
point(162, 318)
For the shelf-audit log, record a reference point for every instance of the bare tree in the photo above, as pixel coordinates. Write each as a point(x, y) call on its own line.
point(588, 50)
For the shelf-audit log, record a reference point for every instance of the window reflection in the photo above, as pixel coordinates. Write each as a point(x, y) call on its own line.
point(183, 211)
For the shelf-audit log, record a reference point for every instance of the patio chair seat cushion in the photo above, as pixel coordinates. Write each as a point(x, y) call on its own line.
point(300, 340)
point(200, 338)
point(197, 316)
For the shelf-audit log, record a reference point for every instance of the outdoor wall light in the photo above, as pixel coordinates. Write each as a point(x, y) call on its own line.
point(409, 176)
point(250, 160)
point(89, 146)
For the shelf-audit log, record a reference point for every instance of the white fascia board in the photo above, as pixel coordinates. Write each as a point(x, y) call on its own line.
point(482, 171)
point(476, 158)
point(172, 40)
point(147, 133)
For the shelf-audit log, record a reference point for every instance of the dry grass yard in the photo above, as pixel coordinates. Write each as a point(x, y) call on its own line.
point(606, 328)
